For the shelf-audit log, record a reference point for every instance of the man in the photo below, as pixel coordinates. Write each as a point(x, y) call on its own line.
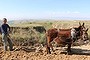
point(5, 35)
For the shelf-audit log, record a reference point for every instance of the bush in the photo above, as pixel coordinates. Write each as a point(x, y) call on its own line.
point(42, 38)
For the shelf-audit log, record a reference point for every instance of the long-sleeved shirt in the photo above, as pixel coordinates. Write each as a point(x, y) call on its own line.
point(5, 28)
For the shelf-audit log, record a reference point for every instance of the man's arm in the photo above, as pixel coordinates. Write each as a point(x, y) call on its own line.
point(8, 27)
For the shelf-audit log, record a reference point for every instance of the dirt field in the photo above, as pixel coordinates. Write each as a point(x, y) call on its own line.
point(29, 53)
point(78, 53)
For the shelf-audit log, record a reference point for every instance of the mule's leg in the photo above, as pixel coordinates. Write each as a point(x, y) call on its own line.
point(48, 50)
point(48, 46)
point(69, 48)
point(51, 47)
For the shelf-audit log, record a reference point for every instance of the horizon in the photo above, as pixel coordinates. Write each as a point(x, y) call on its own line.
point(47, 9)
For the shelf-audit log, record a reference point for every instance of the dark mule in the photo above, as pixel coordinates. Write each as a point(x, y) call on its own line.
point(79, 30)
point(62, 36)
point(82, 32)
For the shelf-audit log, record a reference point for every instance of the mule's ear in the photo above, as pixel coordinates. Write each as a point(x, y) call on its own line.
point(83, 24)
point(87, 29)
point(79, 23)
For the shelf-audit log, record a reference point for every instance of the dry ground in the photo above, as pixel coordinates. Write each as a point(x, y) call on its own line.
point(78, 53)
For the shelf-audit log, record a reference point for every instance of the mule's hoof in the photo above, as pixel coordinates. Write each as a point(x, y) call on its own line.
point(48, 52)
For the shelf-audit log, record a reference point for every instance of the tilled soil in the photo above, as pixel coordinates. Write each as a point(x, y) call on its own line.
point(78, 53)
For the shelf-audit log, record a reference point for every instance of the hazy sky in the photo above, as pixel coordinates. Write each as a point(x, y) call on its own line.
point(45, 9)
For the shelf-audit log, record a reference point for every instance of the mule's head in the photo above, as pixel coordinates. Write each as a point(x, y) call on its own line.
point(82, 31)
point(81, 27)
point(79, 30)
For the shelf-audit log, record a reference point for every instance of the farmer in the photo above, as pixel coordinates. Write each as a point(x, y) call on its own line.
point(5, 28)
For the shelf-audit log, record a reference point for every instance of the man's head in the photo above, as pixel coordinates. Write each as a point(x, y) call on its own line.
point(4, 20)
